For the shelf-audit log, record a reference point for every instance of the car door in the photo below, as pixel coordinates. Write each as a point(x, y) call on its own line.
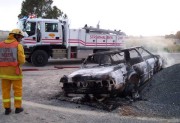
point(150, 60)
point(139, 65)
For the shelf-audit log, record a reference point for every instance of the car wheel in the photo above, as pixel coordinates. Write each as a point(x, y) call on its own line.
point(132, 87)
point(135, 95)
point(100, 97)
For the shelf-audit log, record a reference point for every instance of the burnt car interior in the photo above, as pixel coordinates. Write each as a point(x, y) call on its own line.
point(132, 57)
point(104, 59)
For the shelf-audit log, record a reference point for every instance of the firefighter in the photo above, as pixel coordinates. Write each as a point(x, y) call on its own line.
point(11, 58)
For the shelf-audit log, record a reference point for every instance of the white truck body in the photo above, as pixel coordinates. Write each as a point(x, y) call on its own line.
point(55, 38)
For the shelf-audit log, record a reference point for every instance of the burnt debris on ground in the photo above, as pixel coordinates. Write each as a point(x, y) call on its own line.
point(108, 104)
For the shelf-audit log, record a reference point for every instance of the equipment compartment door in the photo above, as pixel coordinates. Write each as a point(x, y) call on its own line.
point(111, 40)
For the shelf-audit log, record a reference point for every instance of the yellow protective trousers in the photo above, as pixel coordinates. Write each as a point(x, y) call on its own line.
point(6, 93)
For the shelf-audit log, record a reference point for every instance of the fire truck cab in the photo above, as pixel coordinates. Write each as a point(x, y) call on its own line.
point(52, 38)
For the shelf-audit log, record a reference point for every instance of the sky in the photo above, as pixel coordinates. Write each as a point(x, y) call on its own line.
point(134, 17)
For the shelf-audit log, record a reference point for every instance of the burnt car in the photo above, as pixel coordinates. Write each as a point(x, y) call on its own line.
point(113, 73)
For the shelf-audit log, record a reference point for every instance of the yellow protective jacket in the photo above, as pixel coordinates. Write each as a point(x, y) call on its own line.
point(10, 72)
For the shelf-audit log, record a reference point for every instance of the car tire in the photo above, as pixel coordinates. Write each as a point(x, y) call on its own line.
point(99, 97)
point(135, 95)
point(132, 88)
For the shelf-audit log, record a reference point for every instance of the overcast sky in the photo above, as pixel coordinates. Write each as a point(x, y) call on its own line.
point(134, 17)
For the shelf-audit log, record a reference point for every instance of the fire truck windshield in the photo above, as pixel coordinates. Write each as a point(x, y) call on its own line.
point(21, 24)
point(27, 27)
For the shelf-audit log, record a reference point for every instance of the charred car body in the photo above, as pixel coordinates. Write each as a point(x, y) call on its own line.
point(119, 72)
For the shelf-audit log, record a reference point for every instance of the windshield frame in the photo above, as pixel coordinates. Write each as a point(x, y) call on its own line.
point(102, 60)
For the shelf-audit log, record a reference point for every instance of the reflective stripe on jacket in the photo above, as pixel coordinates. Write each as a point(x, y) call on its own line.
point(12, 71)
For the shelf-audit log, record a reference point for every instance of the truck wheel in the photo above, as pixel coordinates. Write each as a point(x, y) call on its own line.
point(39, 58)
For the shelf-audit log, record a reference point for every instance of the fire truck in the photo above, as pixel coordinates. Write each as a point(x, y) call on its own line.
point(52, 38)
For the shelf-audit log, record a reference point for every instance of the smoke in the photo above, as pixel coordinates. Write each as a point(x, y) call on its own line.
point(156, 45)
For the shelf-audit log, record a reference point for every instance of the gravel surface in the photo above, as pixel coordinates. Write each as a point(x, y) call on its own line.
point(162, 94)
point(164, 87)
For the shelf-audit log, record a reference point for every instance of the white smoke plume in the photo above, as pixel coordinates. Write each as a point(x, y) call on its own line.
point(156, 45)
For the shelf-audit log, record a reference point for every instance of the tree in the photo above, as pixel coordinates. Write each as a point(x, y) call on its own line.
point(40, 8)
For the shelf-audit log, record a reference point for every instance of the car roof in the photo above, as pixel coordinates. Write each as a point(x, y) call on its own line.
point(115, 51)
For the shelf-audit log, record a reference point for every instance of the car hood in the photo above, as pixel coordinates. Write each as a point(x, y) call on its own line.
point(115, 72)
point(93, 71)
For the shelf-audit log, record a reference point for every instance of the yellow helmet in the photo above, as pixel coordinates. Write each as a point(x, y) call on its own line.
point(17, 32)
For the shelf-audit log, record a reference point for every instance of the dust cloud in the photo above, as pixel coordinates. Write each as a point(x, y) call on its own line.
point(157, 45)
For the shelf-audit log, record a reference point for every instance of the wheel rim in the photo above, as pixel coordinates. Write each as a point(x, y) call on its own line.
point(136, 95)
point(40, 59)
